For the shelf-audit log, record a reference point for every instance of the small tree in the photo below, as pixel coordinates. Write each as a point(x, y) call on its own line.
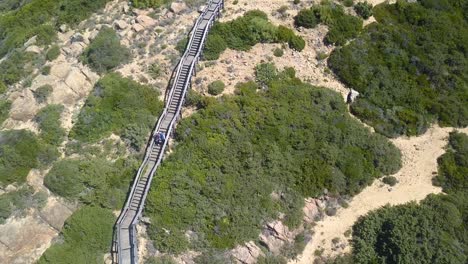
point(53, 53)
point(42, 93)
point(363, 9)
point(390, 180)
point(265, 72)
point(216, 87)
point(306, 18)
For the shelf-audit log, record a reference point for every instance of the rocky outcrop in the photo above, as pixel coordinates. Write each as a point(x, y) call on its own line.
point(248, 253)
point(145, 21)
point(24, 106)
point(177, 7)
point(311, 210)
point(34, 49)
point(120, 24)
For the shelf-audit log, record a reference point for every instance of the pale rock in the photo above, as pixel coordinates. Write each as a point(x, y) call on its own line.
point(60, 70)
point(91, 76)
point(310, 210)
point(55, 213)
point(120, 24)
point(352, 95)
point(177, 7)
point(42, 80)
point(201, 9)
point(169, 15)
point(137, 28)
point(145, 21)
point(10, 188)
point(74, 49)
point(77, 81)
point(24, 107)
point(63, 28)
point(248, 253)
point(77, 37)
point(92, 35)
point(30, 41)
point(63, 94)
point(125, 8)
point(34, 49)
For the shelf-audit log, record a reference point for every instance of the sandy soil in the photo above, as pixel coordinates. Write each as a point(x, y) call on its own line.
point(419, 164)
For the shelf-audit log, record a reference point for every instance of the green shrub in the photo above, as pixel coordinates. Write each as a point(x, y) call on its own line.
point(216, 87)
point(42, 93)
point(3, 87)
point(16, 66)
point(45, 70)
point(296, 2)
point(155, 71)
point(19, 151)
point(17, 202)
point(363, 9)
point(321, 56)
point(244, 32)
point(86, 234)
point(5, 106)
point(265, 72)
point(271, 259)
point(149, 3)
point(53, 53)
point(306, 18)
point(278, 52)
point(105, 52)
point(160, 260)
point(405, 73)
point(390, 180)
point(291, 138)
point(48, 119)
point(182, 45)
point(297, 43)
point(115, 104)
point(348, 3)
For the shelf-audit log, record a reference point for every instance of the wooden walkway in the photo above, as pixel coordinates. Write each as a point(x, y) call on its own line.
point(125, 243)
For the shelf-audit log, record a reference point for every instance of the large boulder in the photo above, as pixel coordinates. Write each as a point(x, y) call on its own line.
point(24, 106)
point(34, 49)
point(120, 24)
point(30, 42)
point(145, 21)
point(248, 253)
point(177, 7)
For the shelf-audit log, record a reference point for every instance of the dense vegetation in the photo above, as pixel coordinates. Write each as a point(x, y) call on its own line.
point(20, 151)
point(149, 3)
point(246, 31)
point(291, 139)
point(410, 68)
point(431, 232)
point(18, 65)
point(48, 119)
point(105, 52)
point(4, 110)
point(86, 235)
point(216, 87)
point(16, 202)
point(118, 105)
point(342, 27)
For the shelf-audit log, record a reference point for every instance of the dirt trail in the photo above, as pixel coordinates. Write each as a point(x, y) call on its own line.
point(419, 155)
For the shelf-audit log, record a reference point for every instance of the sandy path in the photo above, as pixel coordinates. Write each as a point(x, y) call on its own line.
point(419, 162)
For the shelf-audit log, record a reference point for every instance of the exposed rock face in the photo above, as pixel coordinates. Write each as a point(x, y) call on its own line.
point(352, 95)
point(177, 7)
point(34, 49)
point(275, 236)
point(137, 28)
point(311, 210)
point(78, 37)
point(24, 107)
point(248, 253)
point(120, 24)
point(30, 41)
point(63, 28)
point(145, 21)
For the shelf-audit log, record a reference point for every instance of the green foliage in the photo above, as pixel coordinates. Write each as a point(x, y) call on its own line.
point(216, 87)
point(41, 17)
point(18, 201)
point(16, 66)
point(348, 3)
point(48, 119)
point(3, 87)
point(390, 180)
point(271, 259)
point(244, 32)
point(363, 9)
point(115, 104)
point(92, 180)
point(10, 5)
point(182, 45)
point(5, 106)
point(265, 73)
point(155, 70)
point(86, 238)
point(453, 165)
point(149, 3)
point(53, 53)
point(19, 151)
point(42, 93)
point(409, 68)
point(278, 52)
point(160, 260)
point(45, 70)
point(290, 139)
point(343, 27)
point(105, 52)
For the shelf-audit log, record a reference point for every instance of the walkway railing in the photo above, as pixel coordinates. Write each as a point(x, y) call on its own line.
point(125, 248)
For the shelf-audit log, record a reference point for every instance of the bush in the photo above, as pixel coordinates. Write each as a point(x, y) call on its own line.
point(45, 70)
point(3, 87)
point(115, 104)
point(306, 18)
point(182, 45)
point(402, 86)
point(86, 234)
point(363, 9)
point(16, 203)
point(19, 151)
point(5, 106)
point(48, 119)
point(292, 139)
point(265, 72)
point(278, 52)
point(53, 53)
point(16, 66)
point(105, 52)
point(216, 87)
point(348, 3)
point(390, 180)
point(244, 32)
point(42, 93)
point(149, 3)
